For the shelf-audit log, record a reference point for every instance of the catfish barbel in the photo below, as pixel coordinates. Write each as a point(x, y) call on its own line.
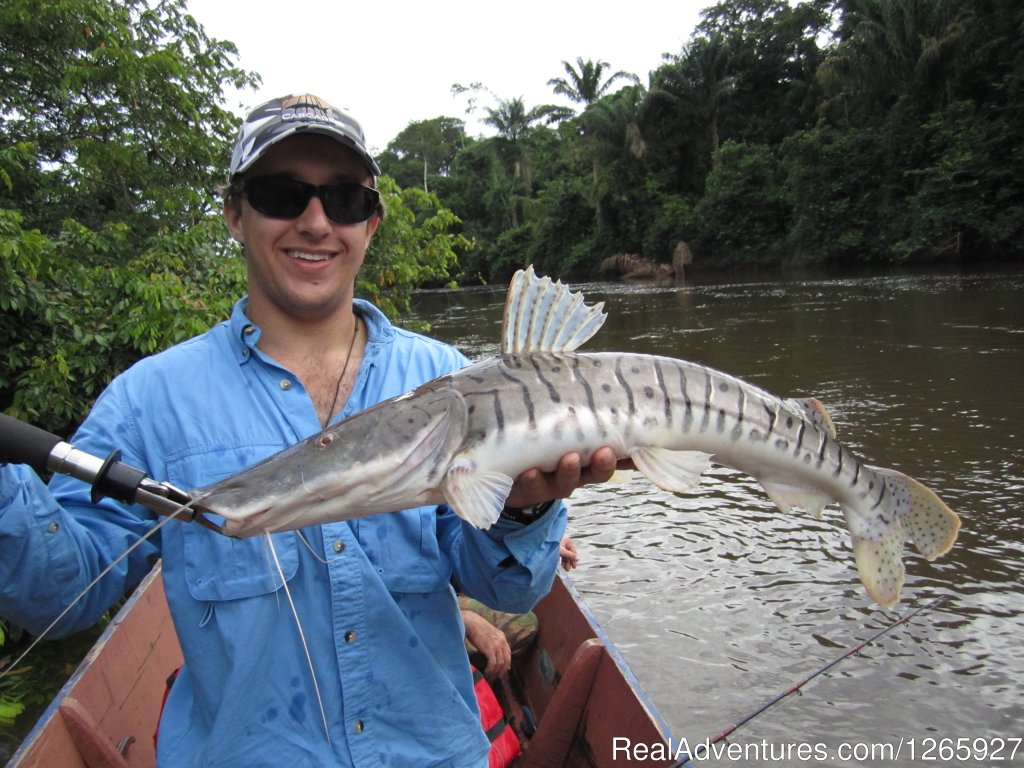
point(460, 440)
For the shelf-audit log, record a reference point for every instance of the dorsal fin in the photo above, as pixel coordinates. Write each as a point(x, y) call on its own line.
point(542, 315)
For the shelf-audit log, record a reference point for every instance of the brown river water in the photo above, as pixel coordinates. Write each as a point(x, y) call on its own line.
point(720, 603)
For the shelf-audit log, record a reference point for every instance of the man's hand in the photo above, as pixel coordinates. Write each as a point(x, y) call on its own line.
point(490, 641)
point(567, 552)
point(535, 487)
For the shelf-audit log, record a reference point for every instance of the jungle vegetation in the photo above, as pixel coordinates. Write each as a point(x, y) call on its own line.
point(822, 132)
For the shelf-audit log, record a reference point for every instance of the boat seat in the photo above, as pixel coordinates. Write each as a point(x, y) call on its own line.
point(93, 745)
point(550, 745)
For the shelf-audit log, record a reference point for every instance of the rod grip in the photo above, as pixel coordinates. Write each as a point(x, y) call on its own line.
point(22, 443)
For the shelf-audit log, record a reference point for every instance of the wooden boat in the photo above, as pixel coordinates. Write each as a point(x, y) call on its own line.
point(106, 714)
point(571, 698)
point(581, 692)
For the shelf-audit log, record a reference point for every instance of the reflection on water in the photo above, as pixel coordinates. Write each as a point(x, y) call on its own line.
point(719, 602)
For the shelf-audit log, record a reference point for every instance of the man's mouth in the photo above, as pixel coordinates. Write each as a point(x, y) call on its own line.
point(307, 256)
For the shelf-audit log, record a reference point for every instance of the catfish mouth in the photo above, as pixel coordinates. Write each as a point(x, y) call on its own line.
point(238, 518)
point(221, 510)
point(236, 527)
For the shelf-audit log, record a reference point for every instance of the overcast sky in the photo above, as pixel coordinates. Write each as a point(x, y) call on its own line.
point(394, 61)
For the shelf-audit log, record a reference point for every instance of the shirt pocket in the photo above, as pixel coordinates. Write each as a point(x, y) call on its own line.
point(219, 567)
point(403, 549)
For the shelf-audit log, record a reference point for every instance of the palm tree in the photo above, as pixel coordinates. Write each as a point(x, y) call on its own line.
point(889, 48)
point(614, 134)
point(585, 85)
point(698, 83)
point(616, 122)
point(514, 123)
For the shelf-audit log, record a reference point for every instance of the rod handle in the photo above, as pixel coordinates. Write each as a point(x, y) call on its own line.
point(22, 443)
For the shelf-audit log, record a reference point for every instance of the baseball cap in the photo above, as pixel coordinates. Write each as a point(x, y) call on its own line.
point(286, 116)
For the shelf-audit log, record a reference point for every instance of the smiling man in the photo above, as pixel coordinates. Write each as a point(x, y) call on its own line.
point(388, 682)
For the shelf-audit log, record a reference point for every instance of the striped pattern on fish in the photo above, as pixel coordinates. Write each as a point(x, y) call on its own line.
point(462, 438)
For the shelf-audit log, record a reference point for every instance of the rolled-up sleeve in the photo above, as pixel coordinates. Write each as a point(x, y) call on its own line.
point(509, 566)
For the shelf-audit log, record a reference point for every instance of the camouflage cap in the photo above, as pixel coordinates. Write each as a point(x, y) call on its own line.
point(280, 118)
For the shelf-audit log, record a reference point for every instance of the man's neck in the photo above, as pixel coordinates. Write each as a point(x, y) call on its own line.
point(324, 354)
point(288, 338)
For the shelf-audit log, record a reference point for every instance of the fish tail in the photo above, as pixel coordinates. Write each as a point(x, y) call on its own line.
point(932, 525)
point(906, 510)
point(880, 565)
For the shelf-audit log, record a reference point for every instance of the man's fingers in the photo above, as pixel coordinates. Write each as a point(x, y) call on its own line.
point(602, 464)
point(535, 487)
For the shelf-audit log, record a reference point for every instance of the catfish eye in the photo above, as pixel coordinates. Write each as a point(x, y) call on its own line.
point(325, 439)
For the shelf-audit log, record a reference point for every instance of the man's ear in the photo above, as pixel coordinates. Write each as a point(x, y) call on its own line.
point(371, 226)
point(233, 218)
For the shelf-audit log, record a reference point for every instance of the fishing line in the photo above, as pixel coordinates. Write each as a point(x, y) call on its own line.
point(302, 637)
point(113, 564)
point(795, 688)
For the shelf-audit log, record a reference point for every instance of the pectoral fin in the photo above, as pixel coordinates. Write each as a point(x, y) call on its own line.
point(673, 471)
point(477, 497)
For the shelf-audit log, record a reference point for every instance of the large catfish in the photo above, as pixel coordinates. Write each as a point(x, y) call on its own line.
point(462, 438)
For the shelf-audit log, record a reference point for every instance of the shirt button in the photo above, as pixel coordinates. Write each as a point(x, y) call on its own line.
point(358, 726)
point(286, 384)
point(249, 330)
point(53, 527)
point(339, 546)
point(350, 636)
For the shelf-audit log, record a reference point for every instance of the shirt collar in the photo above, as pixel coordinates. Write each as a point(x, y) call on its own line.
point(245, 334)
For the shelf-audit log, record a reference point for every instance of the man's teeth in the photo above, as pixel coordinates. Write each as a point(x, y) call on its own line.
point(309, 256)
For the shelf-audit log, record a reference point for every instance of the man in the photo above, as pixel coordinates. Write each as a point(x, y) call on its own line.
point(387, 682)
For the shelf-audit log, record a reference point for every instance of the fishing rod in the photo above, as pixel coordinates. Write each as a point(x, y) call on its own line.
point(795, 688)
point(22, 443)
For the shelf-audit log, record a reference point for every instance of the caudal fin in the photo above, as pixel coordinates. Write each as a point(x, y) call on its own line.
point(880, 565)
point(908, 510)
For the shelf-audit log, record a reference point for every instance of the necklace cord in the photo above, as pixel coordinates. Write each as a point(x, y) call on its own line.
point(344, 370)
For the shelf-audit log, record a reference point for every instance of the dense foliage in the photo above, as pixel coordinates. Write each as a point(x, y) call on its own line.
point(112, 136)
point(113, 142)
point(833, 132)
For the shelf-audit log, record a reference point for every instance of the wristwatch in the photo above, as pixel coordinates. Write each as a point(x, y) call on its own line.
point(526, 515)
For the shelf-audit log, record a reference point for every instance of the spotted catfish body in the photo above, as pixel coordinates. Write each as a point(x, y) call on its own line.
point(462, 438)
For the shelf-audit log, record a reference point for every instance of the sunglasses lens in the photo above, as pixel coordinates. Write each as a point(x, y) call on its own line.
point(282, 198)
point(278, 197)
point(349, 203)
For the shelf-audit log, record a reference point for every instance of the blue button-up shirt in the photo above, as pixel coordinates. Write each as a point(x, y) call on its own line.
point(374, 595)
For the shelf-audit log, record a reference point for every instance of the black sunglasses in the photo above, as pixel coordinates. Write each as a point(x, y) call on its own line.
point(280, 197)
